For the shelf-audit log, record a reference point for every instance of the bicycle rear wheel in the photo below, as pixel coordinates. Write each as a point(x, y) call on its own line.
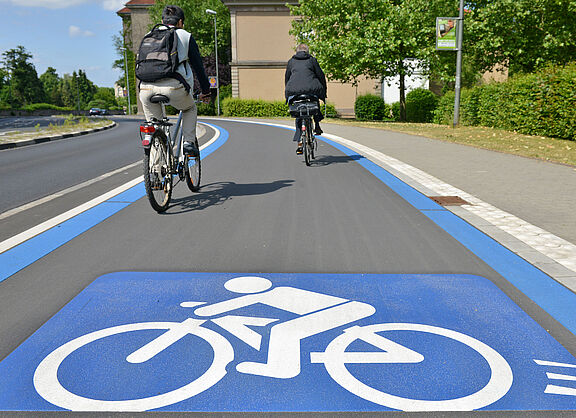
point(193, 169)
point(157, 173)
point(306, 143)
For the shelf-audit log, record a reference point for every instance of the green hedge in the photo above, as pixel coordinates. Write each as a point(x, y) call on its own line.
point(543, 103)
point(45, 106)
point(260, 108)
point(370, 107)
point(420, 105)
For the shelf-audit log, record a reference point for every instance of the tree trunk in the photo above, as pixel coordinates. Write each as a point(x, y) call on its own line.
point(402, 92)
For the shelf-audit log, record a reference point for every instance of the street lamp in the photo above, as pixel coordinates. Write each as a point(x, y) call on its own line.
point(213, 13)
point(127, 78)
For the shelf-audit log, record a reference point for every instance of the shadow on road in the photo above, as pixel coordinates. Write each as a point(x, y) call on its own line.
point(324, 160)
point(218, 193)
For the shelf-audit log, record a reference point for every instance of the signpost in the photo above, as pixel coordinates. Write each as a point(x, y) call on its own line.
point(449, 38)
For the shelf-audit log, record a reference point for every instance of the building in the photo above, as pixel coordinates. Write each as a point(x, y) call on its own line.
point(258, 62)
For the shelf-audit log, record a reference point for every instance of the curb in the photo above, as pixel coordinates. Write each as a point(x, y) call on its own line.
point(42, 139)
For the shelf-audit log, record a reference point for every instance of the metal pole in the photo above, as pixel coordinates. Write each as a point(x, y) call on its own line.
point(217, 78)
point(458, 65)
point(78, 91)
point(127, 78)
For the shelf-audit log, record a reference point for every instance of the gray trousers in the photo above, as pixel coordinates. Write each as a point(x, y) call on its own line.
point(179, 98)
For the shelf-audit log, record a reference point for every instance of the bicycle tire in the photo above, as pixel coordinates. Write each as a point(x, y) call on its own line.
point(306, 142)
point(157, 173)
point(193, 169)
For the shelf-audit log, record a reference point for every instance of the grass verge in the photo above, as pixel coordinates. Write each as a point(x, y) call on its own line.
point(69, 125)
point(549, 149)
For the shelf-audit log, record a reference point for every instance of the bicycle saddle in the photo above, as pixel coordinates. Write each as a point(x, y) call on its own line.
point(159, 98)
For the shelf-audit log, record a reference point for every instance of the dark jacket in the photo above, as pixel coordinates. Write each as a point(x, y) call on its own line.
point(304, 76)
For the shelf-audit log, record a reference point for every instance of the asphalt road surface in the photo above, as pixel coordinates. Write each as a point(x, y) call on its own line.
point(332, 230)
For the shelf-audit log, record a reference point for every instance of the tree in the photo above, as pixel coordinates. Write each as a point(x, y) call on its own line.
point(121, 63)
point(24, 85)
point(523, 34)
point(104, 98)
point(51, 84)
point(201, 24)
point(373, 38)
point(76, 90)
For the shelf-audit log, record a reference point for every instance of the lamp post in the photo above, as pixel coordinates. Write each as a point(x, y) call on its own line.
point(213, 13)
point(458, 66)
point(127, 78)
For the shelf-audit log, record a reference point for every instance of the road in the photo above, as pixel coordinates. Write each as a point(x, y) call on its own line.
point(326, 235)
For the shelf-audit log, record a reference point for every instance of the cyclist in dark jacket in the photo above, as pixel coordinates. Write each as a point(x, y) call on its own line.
point(304, 76)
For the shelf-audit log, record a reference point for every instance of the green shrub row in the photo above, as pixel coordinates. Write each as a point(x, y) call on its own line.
point(45, 106)
point(543, 103)
point(370, 107)
point(235, 107)
point(420, 106)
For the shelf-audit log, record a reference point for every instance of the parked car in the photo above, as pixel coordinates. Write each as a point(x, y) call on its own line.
point(97, 112)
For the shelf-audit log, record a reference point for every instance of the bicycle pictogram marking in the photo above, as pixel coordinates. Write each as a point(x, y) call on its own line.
point(251, 336)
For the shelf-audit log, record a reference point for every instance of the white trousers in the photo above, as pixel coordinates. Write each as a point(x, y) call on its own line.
point(179, 98)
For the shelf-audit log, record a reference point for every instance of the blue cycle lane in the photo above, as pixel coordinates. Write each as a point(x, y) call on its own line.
point(169, 341)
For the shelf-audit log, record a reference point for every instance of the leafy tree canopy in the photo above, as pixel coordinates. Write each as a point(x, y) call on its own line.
point(201, 24)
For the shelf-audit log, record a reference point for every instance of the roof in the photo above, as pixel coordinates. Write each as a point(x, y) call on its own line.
point(135, 4)
point(140, 3)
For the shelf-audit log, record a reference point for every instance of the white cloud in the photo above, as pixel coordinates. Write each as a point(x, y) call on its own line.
point(49, 4)
point(76, 32)
point(113, 5)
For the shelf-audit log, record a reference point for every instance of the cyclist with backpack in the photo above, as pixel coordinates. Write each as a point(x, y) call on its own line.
point(164, 64)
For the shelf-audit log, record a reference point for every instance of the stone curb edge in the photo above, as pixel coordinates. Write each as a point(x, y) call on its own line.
point(42, 139)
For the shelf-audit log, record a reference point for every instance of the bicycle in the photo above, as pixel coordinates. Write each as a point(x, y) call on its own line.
point(305, 107)
point(164, 158)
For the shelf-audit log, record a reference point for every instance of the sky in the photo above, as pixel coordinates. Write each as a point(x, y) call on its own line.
point(65, 34)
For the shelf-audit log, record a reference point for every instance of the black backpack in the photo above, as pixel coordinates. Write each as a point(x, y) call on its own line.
point(158, 56)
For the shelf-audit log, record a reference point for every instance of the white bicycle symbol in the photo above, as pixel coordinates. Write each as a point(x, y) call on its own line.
point(334, 358)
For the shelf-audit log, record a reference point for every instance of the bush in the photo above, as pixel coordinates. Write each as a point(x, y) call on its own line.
point(253, 108)
point(370, 107)
point(444, 113)
point(420, 105)
point(543, 103)
point(45, 106)
point(395, 111)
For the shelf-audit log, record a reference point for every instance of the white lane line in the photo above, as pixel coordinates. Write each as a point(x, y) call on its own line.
point(65, 191)
point(51, 223)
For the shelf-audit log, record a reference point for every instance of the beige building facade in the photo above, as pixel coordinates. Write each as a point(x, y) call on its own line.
point(261, 47)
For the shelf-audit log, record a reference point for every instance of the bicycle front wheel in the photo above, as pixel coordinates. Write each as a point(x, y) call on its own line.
point(193, 169)
point(157, 174)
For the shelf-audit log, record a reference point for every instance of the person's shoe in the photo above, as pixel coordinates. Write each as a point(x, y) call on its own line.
point(190, 149)
point(318, 130)
point(299, 149)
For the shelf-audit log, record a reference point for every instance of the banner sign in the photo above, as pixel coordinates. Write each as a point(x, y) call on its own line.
point(446, 30)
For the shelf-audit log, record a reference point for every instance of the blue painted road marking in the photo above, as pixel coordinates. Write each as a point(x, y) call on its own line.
point(23, 255)
point(206, 341)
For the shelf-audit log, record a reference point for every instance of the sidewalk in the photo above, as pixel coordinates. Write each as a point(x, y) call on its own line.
point(527, 205)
